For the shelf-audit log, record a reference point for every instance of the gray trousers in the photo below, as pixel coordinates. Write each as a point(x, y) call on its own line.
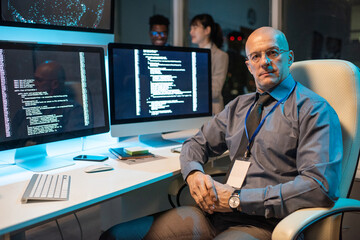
point(190, 222)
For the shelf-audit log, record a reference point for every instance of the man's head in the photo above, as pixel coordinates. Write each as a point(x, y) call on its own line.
point(268, 57)
point(159, 30)
point(49, 77)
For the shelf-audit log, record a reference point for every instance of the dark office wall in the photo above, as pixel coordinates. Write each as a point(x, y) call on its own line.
point(321, 29)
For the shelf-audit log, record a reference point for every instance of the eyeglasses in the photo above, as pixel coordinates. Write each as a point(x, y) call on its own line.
point(271, 53)
point(157, 34)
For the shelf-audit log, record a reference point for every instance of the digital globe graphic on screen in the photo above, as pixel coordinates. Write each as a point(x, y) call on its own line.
point(65, 13)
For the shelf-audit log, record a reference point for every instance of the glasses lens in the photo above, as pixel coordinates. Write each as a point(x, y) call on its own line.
point(271, 53)
point(157, 34)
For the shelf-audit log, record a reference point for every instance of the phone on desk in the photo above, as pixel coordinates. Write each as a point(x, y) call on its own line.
point(91, 158)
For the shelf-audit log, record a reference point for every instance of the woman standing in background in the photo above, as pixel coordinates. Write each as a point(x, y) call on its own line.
point(207, 34)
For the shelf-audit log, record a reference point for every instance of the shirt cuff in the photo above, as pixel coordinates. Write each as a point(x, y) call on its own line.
point(190, 167)
point(252, 202)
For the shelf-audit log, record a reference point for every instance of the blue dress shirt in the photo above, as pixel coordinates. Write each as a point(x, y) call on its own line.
point(295, 157)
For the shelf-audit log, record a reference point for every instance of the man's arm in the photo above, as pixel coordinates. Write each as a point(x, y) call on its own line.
point(209, 141)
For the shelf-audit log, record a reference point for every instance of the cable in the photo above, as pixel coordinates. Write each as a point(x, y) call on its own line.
point(81, 231)
point(171, 202)
point(61, 234)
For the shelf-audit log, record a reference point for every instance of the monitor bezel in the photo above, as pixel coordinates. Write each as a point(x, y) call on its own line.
point(114, 121)
point(54, 137)
point(59, 27)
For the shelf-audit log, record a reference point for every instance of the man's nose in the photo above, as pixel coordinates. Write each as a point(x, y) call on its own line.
point(265, 59)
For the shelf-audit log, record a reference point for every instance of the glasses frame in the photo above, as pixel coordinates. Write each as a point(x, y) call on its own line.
point(281, 51)
point(158, 34)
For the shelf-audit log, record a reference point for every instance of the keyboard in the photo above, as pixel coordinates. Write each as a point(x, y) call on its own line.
point(47, 187)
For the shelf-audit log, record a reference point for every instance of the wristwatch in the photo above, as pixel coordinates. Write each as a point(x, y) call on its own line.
point(234, 200)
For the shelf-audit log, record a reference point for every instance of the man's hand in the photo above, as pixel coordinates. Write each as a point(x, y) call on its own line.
point(203, 191)
point(224, 192)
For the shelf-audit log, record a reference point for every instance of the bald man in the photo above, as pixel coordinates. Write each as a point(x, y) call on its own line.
point(291, 161)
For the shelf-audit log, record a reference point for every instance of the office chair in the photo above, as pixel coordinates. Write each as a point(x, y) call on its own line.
point(338, 82)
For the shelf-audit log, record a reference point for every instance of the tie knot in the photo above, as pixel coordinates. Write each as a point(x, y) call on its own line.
point(264, 99)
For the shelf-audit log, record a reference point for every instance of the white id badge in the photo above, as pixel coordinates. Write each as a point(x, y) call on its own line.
point(238, 173)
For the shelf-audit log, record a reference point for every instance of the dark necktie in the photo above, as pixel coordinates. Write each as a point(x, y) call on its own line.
point(253, 121)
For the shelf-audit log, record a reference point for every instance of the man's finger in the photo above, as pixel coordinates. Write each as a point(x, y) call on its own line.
point(211, 189)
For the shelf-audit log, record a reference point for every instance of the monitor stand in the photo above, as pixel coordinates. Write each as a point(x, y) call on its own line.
point(157, 140)
point(35, 158)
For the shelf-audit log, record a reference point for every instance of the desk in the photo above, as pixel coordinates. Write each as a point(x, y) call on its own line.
point(86, 189)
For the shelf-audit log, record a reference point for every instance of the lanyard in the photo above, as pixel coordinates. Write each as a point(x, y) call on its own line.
point(247, 153)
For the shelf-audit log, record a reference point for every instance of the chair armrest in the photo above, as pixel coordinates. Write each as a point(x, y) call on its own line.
point(296, 222)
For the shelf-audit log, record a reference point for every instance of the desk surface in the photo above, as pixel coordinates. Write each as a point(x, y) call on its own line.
point(86, 188)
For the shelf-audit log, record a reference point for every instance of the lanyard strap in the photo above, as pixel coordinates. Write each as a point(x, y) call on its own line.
point(247, 153)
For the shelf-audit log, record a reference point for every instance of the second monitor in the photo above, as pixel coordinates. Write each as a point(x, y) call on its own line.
point(158, 89)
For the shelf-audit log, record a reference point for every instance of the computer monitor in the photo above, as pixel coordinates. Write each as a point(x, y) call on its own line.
point(83, 15)
point(156, 89)
point(49, 93)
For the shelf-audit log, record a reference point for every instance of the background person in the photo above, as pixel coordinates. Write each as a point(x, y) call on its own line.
point(159, 30)
point(207, 34)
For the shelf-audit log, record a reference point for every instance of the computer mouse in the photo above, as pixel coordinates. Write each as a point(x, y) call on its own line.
point(98, 168)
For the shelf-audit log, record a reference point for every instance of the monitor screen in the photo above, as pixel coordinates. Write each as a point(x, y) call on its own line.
point(157, 89)
point(80, 15)
point(50, 93)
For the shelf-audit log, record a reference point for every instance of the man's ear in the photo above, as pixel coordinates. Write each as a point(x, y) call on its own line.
point(248, 66)
point(291, 57)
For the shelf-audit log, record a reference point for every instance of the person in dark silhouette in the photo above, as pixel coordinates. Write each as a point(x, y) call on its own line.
point(238, 80)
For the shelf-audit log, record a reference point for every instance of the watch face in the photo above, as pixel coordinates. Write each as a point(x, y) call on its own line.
point(234, 201)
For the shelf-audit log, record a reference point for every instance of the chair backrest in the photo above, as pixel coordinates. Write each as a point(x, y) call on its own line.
point(338, 82)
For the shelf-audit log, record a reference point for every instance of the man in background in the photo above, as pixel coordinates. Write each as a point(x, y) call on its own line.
point(159, 30)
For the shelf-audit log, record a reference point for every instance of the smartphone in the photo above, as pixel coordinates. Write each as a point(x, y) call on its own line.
point(91, 158)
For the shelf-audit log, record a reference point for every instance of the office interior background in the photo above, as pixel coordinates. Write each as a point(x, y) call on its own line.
point(316, 29)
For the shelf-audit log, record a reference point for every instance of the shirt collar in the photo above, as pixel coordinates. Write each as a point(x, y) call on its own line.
point(283, 89)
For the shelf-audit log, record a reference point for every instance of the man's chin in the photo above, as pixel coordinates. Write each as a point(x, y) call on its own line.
point(159, 43)
point(268, 82)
